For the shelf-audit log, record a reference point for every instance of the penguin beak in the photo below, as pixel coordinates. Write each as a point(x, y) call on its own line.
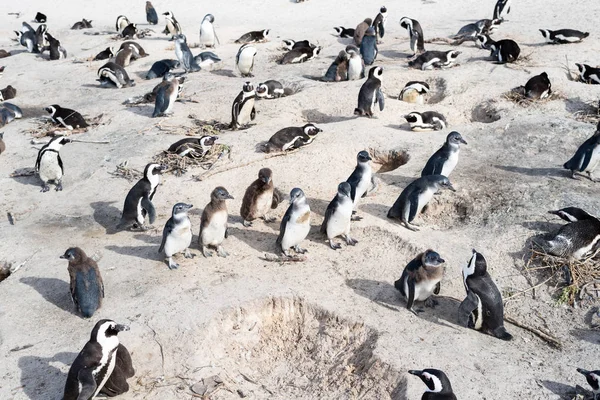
point(188, 206)
point(229, 197)
point(463, 141)
point(63, 257)
point(266, 179)
point(441, 260)
point(415, 372)
point(121, 328)
point(451, 188)
point(163, 167)
point(583, 371)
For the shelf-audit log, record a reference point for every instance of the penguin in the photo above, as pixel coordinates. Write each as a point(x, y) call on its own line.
point(295, 224)
point(244, 60)
point(254, 37)
point(338, 70)
point(368, 46)
point(184, 54)
point(586, 157)
point(443, 161)
point(87, 288)
point(117, 382)
point(137, 49)
point(49, 165)
point(269, 90)
point(242, 109)
point(484, 42)
point(415, 197)
point(162, 67)
point(481, 27)
point(414, 92)
point(122, 23)
point(338, 217)
point(593, 379)
point(166, 96)
point(501, 9)
point(193, 147)
point(213, 225)
point(104, 54)
point(345, 33)
point(4, 53)
point(426, 121)
point(83, 24)
point(166, 81)
point(435, 59)
point(538, 87)
point(361, 178)
point(15, 111)
point(95, 363)
point(482, 309)
point(8, 93)
point(259, 199)
point(177, 235)
point(300, 55)
point(206, 59)
point(2, 144)
point(505, 51)
point(125, 55)
point(571, 214)
point(138, 202)
point(291, 138)
point(360, 30)
point(172, 26)
point(111, 74)
point(379, 23)
point(28, 38)
point(66, 117)
point(40, 18)
point(370, 93)
point(575, 240)
point(41, 37)
point(208, 36)
point(151, 15)
point(564, 36)
point(415, 34)
point(356, 65)
point(421, 278)
point(130, 31)
point(588, 74)
point(290, 44)
point(438, 384)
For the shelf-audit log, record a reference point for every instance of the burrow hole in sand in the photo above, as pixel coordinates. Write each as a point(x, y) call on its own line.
point(485, 112)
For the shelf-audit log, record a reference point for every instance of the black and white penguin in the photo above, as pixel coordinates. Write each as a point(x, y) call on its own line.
point(588, 74)
point(138, 50)
point(300, 55)
point(117, 382)
point(193, 147)
point(443, 161)
point(151, 15)
point(415, 197)
point(484, 42)
point(421, 278)
point(338, 217)
point(254, 37)
point(593, 379)
point(104, 54)
point(481, 27)
point(66, 117)
point(504, 51)
point(338, 70)
point(208, 36)
point(435, 59)
point(501, 9)
point(49, 165)
point(177, 235)
point(130, 31)
point(213, 225)
point(370, 93)
point(356, 65)
point(425, 121)
point(538, 87)
point(361, 179)
point(586, 157)
point(41, 37)
point(571, 214)
point(8, 113)
point(270, 89)
point(360, 30)
point(184, 54)
point(28, 38)
point(162, 67)
point(414, 92)
point(259, 199)
point(295, 224)
point(40, 18)
point(111, 74)
point(368, 46)
point(379, 23)
point(172, 27)
point(564, 36)
point(83, 24)
point(344, 32)
point(138, 202)
point(482, 309)
point(244, 60)
point(242, 109)
point(87, 288)
point(95, 363)
point(206, 59)
point(291, 138)
point(415, 34)
point(575, 240)
point(121, 23)
point(438, 384)
point(167, 95)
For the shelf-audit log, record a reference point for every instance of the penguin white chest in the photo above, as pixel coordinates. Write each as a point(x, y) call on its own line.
point(424, 198)
point(354, 68)
point(424, 289)
point(214, 233)
point(363, 186)
point(179, 52)
point(450, 164)
point(296, 229)
point(594, 160)
point(207, 34)
point(339, 223)
point(49, 167)
point(245, 61)
point(179, 239)
point(244, 116)
point(263, 203)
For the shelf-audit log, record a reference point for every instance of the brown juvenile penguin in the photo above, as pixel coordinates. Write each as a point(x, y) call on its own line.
point(138, 50)
point(421, 278)
point(125, 55)
point(259, 199)
point(213, 225)
point(4, 53)
point(361, 29)
point(87, 288)
point(8, 93)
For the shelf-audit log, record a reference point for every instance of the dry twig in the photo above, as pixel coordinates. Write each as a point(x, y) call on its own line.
point(545, 336)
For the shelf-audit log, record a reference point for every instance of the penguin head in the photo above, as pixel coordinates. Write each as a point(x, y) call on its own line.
point(209, 17)
point(207, 141)
point(181, 209)
point(383, 10)
point(370, 31)
point(476, 266)
point(368, 21)
point(296, 195)
point(265, 175)
point(73, 254)
point(220, 193)
point(262, 90)
point(105, 329)
point(337, 29)
point(431, 258)
point(248, 87)
point(289, 43)
point(265, 32)
point(344, 189)
point(436, 380)
point(405, 22)
point(413, 117)
point(581, 68)
point(52, 109)
point(440, 181)
point(363, 157)
point(58, 141)
point(168, 14)
point(376, 72)
point(453, 54)
point(311, 130)
point(181, 38)
point(544, 77)
point(455, 138)
point(545, 33)
point(592, 377)
point(316, 50)
point(352, 49)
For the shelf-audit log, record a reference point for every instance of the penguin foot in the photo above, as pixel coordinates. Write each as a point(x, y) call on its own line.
point(350, 241)
point(591, 178)
point(172, 264)
point(334, 246)
point(574, 176)
point(416, 312)
point(188, 254)
point(206, 252)
point(268, 219)
point(410, 227)
point(431, 302)
point(355, 217)
point(247, 224)
point(45, 188)
point(221, 252)
point(58, 187)
point(300, 250)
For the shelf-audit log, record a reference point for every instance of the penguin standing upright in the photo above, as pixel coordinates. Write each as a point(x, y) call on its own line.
point(538, 87)
point(177, 235)
point(421, 278)
point(49, 165)
point(213, 225)
point(338, 217)
point(438, 384)
point(57, 52)
point(184, 54)
point(443, 161)
point(586, 157)
point(87, 288)
point(172, 27)
point(360, 30)
point(66, 117)
point(242, 109)
point(356, 65)
point(295, 224)
point(415, 34)
point(151, 15)
point(370, 93)
point(368, 46)
point(138, 202)
point(482, 309)
point(27, 37)
point(95, 363)
point(244, 60)
point(259, 198)
point(501, 9)
point(208, 36)
point(379, 23)
point(117, 381)
point(167, 95)
point(361, 179)
point(593, 379)
point(415, 197)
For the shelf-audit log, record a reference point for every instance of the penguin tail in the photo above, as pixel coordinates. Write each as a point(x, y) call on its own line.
point(399, 286)
point(358, 111)
point(501, 333)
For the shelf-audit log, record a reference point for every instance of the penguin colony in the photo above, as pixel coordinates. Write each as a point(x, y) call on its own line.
point(104, 364)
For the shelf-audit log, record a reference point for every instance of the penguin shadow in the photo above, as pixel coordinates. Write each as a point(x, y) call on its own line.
point(394, 54)
point(588, 335)
point(106, 215)
point(318, 206)
point(576, 105)
point(482, 58)
point(152, 239)
point(562, 390)
point(545, 226)
point(396, 180)
point(15, 52)
point(224, 72)
point(143, 252)
point(34, 112)
point(376, 210)
point(403, 126)
point(40, 379)
point(55, 291)
point(32, 180)
point(538, 44)
point(344, 41)
point(142, 109)
point(553, 172)
point(317, 117)
point(263, 242)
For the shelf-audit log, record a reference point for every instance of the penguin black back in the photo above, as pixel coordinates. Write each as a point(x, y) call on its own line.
point(87, 288)
point(572, 214)
point(151, 15)
point(117, 382)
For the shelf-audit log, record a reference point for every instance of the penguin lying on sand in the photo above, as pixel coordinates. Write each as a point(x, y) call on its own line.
point(66, 117)
point(193, 147)
point(254, 37)
point(421, 278)
point(435, 59)
point(563, 36)
point(576, 240)
point(291, 138)
point(588, 74)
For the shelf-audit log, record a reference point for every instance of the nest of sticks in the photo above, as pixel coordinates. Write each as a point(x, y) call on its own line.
point(517, 95)
point(179, 165)
point(46, 127)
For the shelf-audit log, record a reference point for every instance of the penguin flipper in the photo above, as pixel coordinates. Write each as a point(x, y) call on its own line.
point(587, 157)
point(284, 221)
point(166, 232)
point(60, 163)
point(87, 383)
point(381, 29)
point(162, 102)
point(414, 206)
point(501, 333)
point(437, 288)
point(466, 308)
point(411, 293)
point(253, 114)
point(328, 213)
point(380, 99)
point(149, 207)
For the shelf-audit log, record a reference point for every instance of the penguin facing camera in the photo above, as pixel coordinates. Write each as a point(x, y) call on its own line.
point(421, 279)
point(295, 224)
point(501, 9)
point(172, 27)
point(177, 235)
point(242, 109)
point(338, 217)
point(213, 225)
point(259, 198)
point(356, 65)
point(49, 165)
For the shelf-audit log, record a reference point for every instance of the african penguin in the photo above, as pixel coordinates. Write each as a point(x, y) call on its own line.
point(482, 309)
point(563, 36)
point(571, 214)
point(206, 59)
point(344, 32)
point(242, 109)
point(122, 22)
point(49, 165)
point(259, 199)
point(41, 37)
point(338, 70)
point(414, 92)
point(338, 217)
point(415, 34)
point(421, 278)
point(111, 74)
point(138, 50)
point(87, 288)
point(104, 54)
point(160, 68)
point(504, 51)
point(291, 138)
point(138, 202)
point(415, 197)
point(269, 90)
point(125, 55)
point(425, 121)
point(586, 157)
point(167, 95)
point(538, 87)
point(438, 384)
point(172, 27)
point(130, 31)
point(117, 382)
point(8, 93)
point(593, 379)
point(254, 37)
point(575, 240)
point(290, 44)
point(370, 93)
point(360, 30)
point(356, 65)
point(151, 15)
point(83, 24)
point(208, 36)
point(368, 46)
point(66, 117)
point(588, 74)
point(379, 22)
point(28, 38)
point(361, 179)
point(484, 42)
point(177, 235)
point(213, 225)
point(184, 54)
point(501, 9)
point(40, 18)
point(435, 59)
point(193, 147)
point(443, 161)
point(244, 60)
point(300, 55)
point(295, 224)
point(481, 27)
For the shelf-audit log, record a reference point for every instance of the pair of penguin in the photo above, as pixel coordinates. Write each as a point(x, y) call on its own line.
point(370, 94)
point(348, 66)
point(83, 24)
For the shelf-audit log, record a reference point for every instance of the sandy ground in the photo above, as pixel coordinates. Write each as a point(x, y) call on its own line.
point(238, 315)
